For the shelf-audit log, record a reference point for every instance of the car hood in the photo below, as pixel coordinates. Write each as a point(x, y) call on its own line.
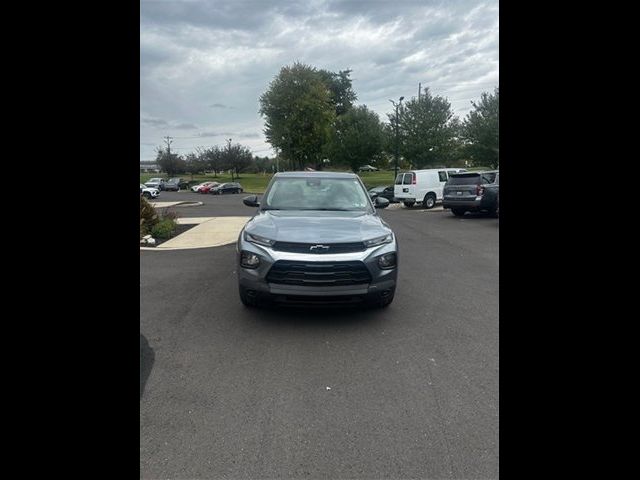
point(317, 226)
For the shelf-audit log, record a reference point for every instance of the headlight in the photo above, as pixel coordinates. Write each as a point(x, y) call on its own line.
point(374, 242)
point(258, 240)
point(249, 260)
point(387, 261)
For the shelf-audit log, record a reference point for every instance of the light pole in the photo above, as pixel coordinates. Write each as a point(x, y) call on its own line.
point(397, 105)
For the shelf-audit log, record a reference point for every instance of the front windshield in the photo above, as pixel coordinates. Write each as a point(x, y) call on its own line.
point(315, 193)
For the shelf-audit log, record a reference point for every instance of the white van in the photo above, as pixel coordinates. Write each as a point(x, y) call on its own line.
point(422, 186)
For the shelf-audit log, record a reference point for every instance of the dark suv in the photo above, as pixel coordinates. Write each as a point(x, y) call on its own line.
point(176, 184)
point(472, 192)
point(317, 238)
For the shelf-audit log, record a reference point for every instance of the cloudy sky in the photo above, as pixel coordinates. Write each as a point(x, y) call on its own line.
point(205, 63)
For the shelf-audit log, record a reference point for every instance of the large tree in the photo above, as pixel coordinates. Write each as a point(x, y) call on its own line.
point(170, 163)
point(480, 131)
point(299, 114)
point(428, 131)
point(357, 138)
point(342, 94)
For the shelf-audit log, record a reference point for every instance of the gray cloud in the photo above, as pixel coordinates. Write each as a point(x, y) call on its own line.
point(185, 126)
point(154, 122)
point(204, 64)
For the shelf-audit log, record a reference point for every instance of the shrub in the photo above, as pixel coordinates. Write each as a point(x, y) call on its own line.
point(148, 217)
point(164, 228)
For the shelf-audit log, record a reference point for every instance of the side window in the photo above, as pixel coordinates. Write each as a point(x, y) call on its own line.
point(408, 177)
point(488, 177)
point(443, 175)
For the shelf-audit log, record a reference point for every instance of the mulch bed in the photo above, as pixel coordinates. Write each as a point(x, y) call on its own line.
point(179, 229)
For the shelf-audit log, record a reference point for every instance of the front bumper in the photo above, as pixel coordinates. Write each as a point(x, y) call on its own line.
point(382, 283)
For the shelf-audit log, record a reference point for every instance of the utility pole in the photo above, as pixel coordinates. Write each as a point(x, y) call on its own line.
point(419, 90)
point(168, 140)
point(397, 105)
point(229, 157)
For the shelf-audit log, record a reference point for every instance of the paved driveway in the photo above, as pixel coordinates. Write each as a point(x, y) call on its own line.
point(408, 391)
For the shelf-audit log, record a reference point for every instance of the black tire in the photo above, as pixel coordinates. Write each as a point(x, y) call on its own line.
point(409, 204)
point(146, 195)
point(387, 301)
point(245, 299)
point(240, 191)
point(458, 212)
point(429, 201)
point(380, 302)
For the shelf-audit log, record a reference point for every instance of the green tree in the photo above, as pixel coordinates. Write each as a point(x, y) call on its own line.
point(170, 163)
point(237, 158)
point(264, 164)
point(480, 131)
point(357, 138)
point(342, 94)
point(214, 159)
point(299, 114)
point(193, 164)
point(428, 131)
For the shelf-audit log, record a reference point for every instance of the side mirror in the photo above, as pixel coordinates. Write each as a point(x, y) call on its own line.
point(381, 202)
point(373, 195)
point(251, 201)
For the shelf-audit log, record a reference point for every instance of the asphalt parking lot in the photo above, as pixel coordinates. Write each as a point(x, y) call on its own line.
point(407, 391)
point(228, 205)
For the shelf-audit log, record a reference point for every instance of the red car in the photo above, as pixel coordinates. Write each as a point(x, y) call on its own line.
point(207, 187)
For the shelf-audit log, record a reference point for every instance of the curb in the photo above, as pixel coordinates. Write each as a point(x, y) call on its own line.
point(183, 204)
point(170, 249)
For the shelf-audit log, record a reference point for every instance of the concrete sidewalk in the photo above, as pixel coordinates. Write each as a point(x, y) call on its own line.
point(209, 232)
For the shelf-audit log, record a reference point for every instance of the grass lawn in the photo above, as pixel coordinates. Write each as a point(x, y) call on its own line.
point(257, 182)
point(251, 182)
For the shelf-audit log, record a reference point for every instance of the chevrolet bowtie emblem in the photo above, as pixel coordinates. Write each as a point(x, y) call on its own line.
point(319, 247)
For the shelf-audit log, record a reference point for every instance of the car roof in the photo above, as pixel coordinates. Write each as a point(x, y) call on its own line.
point(316, 174)
point(433, 169)
point(476, 173)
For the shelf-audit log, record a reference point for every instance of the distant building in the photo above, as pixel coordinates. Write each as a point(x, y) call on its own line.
point(146, 167)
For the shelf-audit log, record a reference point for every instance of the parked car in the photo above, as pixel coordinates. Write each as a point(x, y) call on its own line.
point(232, 187)
point(316, 238)
point(156, 183)
point(196, 187)
point(172, 185)
point(368, 168)
point(148, 192)
point(422, 186)
point(177, 184)
point(206, 187)
point(472, 192)
point(385, 191)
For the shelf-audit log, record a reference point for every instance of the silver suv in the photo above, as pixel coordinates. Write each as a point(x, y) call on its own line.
point(317, 239)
